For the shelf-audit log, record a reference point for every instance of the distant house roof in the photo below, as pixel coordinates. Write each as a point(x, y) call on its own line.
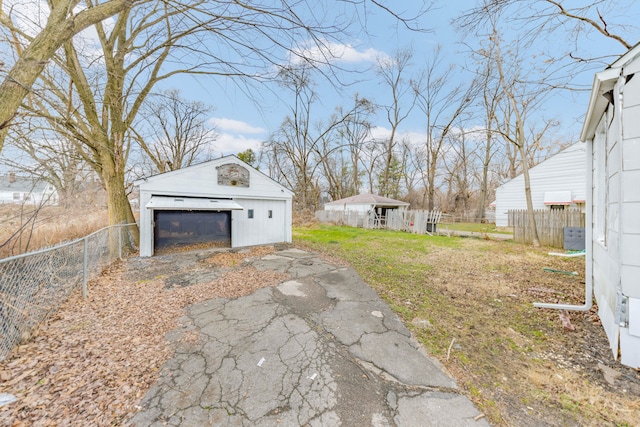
point(18, 184)
point(368, 198)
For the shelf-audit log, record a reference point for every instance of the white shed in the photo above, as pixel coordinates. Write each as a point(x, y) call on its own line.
point(612, 134)
point(223, 202)
point(557, 182)
point(364, 203)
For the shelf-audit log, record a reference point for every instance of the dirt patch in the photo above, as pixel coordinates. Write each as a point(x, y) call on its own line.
point(520, 364)
point(93, 361)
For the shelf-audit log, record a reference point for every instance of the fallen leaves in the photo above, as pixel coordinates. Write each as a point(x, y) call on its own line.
point(94, 360)
point(566, 321)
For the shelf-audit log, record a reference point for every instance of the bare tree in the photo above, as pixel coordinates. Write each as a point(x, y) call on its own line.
point(522, 98)
point(177, 132)
point(356, 132)
point(94, 99)
point(339, 150)
point(491, 94)
point(392, 71)
point(442, 106)
point(238, 25)
point(50, 159)
point(373, 156)
point(305, 145)
point(544, 18)
point(63, 22)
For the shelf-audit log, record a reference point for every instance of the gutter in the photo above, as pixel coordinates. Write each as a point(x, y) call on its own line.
point(588, 286)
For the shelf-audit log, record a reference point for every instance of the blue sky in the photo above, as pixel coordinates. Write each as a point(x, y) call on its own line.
point(243, 121)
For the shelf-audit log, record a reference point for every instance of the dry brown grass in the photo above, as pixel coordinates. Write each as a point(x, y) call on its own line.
point(92, 362)
point(304, 218)
point(24, 229)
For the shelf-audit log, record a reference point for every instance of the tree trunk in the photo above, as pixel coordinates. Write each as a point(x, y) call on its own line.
point(117, 201)
point(527, 191)
point(59, 28)
point(485, 179)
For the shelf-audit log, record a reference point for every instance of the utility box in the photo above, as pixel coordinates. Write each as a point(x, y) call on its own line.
point(574, 238)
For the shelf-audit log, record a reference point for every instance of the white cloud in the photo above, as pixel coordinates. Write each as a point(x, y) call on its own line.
point(335, 52)
point(223, 124)
point(381, 133)
point(233, 144)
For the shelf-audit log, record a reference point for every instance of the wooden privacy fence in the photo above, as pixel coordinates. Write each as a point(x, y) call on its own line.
point(418, 221)
point(550, 225)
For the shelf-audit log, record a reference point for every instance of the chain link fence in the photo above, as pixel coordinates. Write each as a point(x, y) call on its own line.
point(35, 284)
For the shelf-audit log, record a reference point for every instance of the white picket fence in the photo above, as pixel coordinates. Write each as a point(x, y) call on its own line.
point(412, 221)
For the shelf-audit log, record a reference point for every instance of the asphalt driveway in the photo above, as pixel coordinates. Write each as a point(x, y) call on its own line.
point(320, 349)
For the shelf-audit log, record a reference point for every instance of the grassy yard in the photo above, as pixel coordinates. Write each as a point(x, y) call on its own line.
point(474, 227)
point(469, 301)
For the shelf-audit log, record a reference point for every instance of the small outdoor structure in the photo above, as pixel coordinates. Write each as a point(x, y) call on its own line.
point(18, 190)
point(556, 183)
point(223, 202)
point(612, 134)
point(366, 203)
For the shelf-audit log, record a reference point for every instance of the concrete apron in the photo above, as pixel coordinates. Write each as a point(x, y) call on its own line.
point(321, 349)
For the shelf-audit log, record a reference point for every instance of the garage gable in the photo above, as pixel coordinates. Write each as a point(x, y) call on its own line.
point(225, 177)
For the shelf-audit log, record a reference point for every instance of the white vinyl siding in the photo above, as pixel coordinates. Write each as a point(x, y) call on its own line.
point(564, 172)
point(201, 181)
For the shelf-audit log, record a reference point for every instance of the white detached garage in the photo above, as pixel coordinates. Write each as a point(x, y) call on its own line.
point(223, 202)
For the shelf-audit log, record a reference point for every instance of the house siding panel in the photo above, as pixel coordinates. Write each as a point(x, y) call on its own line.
point(260, 229)
point(629, 348)
point(615, 264)
point(631, 154)
point(630, 278)
point(630, 245)
point(564, 171)
point(605, 295)
point(631, 128)
point(631, 186)
point(630, 218)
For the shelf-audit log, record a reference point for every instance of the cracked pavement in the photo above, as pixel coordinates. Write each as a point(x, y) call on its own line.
point(321, 349)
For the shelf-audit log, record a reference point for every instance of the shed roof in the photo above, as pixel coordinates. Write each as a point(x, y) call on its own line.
point(368, 198)
point(20, 184)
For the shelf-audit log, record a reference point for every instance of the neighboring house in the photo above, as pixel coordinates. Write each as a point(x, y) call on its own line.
point(612, 134)
point(223, 202)
point(556, 183)
point(19, 190)
point(365, 203)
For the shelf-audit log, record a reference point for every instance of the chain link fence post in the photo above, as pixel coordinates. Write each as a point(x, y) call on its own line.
point(34, 285)
point(85, 272)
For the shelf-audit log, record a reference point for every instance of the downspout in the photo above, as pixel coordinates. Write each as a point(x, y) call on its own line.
point(588, 283)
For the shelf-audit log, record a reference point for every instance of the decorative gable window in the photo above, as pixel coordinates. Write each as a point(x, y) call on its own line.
point(233, 175)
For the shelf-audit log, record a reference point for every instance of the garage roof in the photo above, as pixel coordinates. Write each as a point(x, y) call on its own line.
point(191, 203)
